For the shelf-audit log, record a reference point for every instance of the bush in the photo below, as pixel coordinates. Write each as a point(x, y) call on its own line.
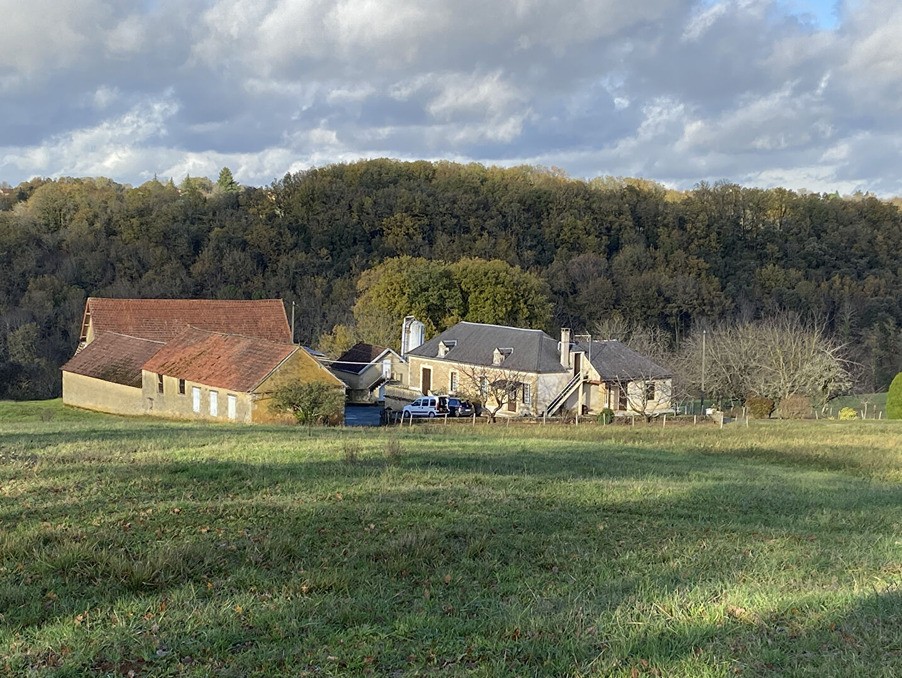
point(606, 416)
point(795, 406)
point(759, 407)
point(847, 414)
point(311, 402)
point(894, 399)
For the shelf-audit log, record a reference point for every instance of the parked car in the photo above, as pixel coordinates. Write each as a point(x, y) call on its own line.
point(460, 408)
point(427, 406)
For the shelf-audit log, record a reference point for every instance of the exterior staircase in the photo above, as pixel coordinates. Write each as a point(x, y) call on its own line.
point(555, 405)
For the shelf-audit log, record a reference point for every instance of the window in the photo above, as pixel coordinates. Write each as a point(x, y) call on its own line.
point(452, 382)
point(232, 405)
point(527, 394)
point(484, 386)
point(181, 387)
point(159, 383)
point(649, 390)
point(214, 403)
point(195, 399)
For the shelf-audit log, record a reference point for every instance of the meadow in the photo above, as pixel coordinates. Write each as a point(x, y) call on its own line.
point(148, 548)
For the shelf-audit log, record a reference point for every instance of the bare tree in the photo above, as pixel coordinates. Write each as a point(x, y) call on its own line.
point(772, 358)
point(493, 386)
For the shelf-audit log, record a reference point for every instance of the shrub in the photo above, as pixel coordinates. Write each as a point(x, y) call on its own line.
point(312, 402)
point(894, 399)
point(606, 416)
point(847, 414)
point(759, 407)
point(795, 406)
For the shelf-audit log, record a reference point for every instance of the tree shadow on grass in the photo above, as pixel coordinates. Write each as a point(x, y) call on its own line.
point(801, 638)
point(540, 541)
point(365, 555)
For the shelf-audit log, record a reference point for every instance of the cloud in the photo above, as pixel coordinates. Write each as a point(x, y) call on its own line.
point(678, 91)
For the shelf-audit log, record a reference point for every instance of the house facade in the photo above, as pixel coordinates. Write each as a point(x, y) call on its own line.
point(482, 362)
point(527, 373)
point(620, 379)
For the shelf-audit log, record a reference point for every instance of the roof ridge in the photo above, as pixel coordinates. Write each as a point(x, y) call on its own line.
point(232, 334)
point(130, 336)
point(507, 327)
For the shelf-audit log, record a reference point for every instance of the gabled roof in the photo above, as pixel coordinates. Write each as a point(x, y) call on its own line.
point(615, 360)
point(163, 319)
point(114, 357)
point(532, 351)
point(357, 358)
point(228, 361)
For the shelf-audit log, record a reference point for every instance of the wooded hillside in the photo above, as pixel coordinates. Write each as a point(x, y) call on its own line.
point(657, 257)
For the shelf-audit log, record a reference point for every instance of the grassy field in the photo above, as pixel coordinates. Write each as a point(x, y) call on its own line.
point(136, 547)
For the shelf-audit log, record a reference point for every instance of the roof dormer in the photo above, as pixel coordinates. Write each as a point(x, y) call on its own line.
point(500, 354)
point(445, 346)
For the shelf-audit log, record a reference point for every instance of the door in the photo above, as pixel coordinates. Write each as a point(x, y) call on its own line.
point(622, 396)
point(232, 406)
point(195, 398)
point(214, 403)
point(426, 380)
point(577, 363)
point(512, 400)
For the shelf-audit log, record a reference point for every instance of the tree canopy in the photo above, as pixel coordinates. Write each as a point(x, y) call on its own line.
point(564, 252)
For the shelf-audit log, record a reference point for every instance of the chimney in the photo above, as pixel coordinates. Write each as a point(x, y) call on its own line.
point(413, 334)
point(565, 347)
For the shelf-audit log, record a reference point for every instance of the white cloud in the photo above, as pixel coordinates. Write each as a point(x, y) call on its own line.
point(674, 90)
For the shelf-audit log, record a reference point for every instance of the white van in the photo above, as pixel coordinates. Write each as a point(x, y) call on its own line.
point(427, 406)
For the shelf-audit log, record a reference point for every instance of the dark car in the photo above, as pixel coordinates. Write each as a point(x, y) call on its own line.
point(460, 408)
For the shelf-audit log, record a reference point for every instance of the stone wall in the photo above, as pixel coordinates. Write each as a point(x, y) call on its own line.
point(102, 396)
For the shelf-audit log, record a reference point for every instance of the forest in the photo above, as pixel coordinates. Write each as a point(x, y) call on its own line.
point(558, 251)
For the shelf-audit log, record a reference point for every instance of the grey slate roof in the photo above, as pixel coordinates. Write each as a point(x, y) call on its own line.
point(616, 361)
point(359, 357)
point(533, 350)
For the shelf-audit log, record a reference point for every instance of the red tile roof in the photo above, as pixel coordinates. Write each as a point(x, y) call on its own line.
point(163, 319)
point(228, 361)
point(114, 357)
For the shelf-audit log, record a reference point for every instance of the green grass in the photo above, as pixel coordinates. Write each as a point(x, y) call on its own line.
point(190, 549)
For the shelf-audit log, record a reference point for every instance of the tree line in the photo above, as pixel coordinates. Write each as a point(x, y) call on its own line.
point(552, 251)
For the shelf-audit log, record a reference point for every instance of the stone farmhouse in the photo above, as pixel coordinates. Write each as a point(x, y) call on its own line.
point(538, 374)
point(190, 358)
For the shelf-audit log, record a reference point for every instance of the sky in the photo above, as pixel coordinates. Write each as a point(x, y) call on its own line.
point(803, 94)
